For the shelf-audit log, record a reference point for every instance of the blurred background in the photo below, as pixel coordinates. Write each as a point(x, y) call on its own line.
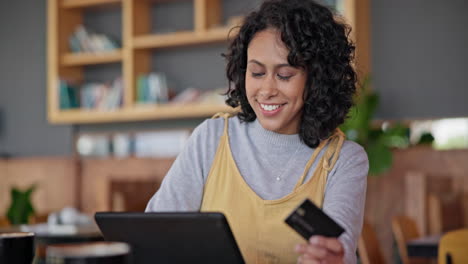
point(97, 98)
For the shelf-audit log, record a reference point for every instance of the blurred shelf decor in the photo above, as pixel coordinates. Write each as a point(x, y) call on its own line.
point(132, 144)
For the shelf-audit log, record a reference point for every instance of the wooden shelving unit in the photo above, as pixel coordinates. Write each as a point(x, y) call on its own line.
point(138, 43)
point(180, 39)
point(140, 113)
point(74, 59)
point(68, 4)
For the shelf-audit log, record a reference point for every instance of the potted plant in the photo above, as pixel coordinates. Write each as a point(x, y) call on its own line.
point(377, 141)
point(21, 208)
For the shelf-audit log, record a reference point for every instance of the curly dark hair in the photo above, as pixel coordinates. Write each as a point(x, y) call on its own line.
point(318, 43)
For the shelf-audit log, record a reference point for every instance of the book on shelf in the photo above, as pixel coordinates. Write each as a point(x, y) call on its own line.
point(102, 96)
point(193, 95)
point(86, 41)
point(188, 95)
point(68, 95)
point(98, 96)
point(152, 88)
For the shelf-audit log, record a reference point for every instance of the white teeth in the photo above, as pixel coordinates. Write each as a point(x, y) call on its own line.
point(270, 107)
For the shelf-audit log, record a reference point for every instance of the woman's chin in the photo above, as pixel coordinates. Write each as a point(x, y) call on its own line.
point(269, 125)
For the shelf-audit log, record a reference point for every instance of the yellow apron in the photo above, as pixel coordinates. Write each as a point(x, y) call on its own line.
point(258, 225)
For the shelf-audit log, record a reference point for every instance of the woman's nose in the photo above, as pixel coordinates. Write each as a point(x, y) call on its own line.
point(268, 88)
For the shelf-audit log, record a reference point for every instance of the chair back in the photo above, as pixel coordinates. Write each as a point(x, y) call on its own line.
point(445, 211)
point(369, 247)
point(453, 247)
point(431, 199)
point(126, 194)
point(405, 229)
point(4, 222)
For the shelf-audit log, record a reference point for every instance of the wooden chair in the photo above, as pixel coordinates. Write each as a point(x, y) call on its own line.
point(369, 247)
point(131, 195)
point(436, 202)
point(453, 247)
point(445, 212)
point(4, 222)
point(405, 229)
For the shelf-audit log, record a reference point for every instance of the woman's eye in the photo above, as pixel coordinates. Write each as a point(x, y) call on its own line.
point(257, 74)
point(284, 78)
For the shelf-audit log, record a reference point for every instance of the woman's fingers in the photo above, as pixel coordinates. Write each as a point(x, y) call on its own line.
point(312, 251)
point(320, 250)
point(305, 260)
point(331, 244)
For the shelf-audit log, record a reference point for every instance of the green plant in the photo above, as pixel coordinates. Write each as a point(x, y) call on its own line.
point(21, 207)
point(376, 141)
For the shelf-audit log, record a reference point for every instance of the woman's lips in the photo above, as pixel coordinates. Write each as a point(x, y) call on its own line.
point(270, 109)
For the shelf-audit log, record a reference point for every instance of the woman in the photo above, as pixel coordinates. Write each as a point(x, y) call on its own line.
point(290, 70)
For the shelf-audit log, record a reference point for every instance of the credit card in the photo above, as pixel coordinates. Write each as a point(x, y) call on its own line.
point(309, 220)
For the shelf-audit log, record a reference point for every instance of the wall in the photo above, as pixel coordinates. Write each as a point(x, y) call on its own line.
point(46, 173)
point(23, 127)
point(418, 55)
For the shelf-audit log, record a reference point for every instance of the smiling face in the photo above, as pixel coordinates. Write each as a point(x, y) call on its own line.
point(274, 88)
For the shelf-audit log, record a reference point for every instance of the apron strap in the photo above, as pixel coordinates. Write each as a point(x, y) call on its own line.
point(336, 141)
point(226, 116)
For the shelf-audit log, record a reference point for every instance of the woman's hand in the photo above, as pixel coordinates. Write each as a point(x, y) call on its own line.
point(320, 250)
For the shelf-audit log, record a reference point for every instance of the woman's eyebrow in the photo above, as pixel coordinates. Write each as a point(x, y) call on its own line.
point(275, 66)
point(256, 62)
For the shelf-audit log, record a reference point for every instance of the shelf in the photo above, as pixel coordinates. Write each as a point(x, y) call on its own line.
point(138, 113)
point(181, 38)
point(137, 56)
point(80, 59)
point(88, 3)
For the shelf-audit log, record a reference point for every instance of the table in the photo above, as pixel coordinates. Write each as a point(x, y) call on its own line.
point(425, 247)
point(44, 237)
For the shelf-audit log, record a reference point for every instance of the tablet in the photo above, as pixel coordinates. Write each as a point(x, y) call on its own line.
point(184, 237)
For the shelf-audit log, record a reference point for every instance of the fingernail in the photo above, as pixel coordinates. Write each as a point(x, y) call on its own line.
point(314, 240)
point(297, 248)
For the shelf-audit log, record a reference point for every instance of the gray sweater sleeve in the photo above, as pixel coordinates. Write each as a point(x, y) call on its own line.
point(182, 187)
point(345, 195)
